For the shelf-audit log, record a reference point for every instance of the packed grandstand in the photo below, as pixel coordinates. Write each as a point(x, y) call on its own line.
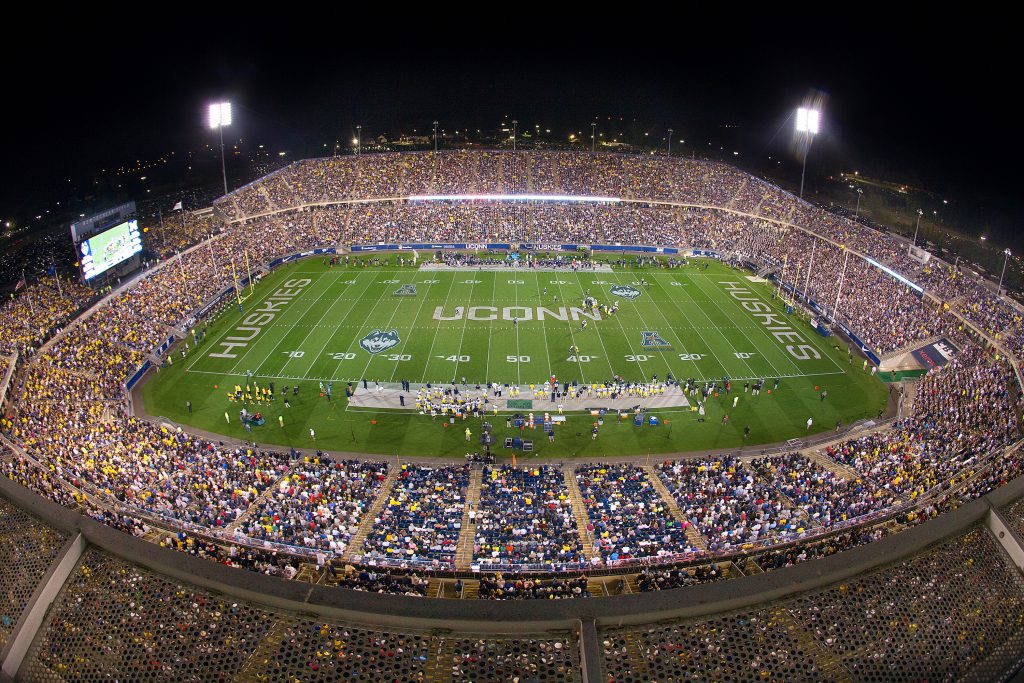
point(533, 531)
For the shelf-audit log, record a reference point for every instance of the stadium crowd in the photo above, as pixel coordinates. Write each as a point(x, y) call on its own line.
point(525, 518)
point(421, 522)
point(71, 418)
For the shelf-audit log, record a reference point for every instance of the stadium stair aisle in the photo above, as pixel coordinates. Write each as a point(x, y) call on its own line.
point(739, 193)
point(790, 214)
point(467, 534)
point(255, 503)
point(155, 534)
point(750, 567)
point(640, 665)
point(579, 511)
point(692, 534)
point(831, 667)
point(261, 187)
point(355, 545)
point(401, 189)
point(909, 394)
point(438, 667)
point(599, 588)
point(308, 573)
point(234, 202)
point(476, 182)
point(344, 225)
point(798, 511)
point(816, 456)
point(255, 668)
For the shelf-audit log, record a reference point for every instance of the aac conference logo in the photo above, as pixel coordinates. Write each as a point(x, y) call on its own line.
point(378, 341)
point(626, 292)
point(651, 339)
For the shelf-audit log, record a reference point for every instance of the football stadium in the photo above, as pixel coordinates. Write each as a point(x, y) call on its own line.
point(500, 413)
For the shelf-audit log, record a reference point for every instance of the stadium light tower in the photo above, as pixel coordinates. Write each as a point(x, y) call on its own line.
point(860, 193)
point(807, 122)
point(220, 116)
point(515, 125)
point(435, 137)
point(1006, 257)
point(593, 135)
point(919, 214)
point(670, 142)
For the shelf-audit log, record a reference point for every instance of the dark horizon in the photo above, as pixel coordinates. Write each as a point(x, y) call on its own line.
point(903, 104)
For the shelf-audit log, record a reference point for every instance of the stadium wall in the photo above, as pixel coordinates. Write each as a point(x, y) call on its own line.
point(83, 548)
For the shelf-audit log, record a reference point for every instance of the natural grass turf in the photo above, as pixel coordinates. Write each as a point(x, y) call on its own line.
point(316, 337)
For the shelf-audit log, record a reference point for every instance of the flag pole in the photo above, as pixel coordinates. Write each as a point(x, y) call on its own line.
point(234, 279)
point(160, 218)
point(184, 280)
point(31, 305)
point(248, 272)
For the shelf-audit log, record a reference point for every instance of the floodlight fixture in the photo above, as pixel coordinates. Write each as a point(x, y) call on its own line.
point(219, 117)
point(220, 114)
point(808, 122)
point(1006, 257)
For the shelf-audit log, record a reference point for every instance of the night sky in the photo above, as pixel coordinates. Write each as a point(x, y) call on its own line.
point(928, 104)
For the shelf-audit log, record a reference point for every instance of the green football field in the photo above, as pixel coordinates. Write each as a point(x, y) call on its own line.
point(308, 323)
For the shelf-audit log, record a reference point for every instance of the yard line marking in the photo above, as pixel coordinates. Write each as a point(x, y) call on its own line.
point(348, 379)
point(263, 360)
point(672, 329)
point(430, 353)
point(412, 329)
point(711, 348)
point(775, 370)
point(330, 338)
point(600, 337)
point(465, 321)
point(626, 337)
point(301, 343)
point(572, 340)
point(230, 328)
point(383, 329)
point(544, 329)
point(815, 342)
point(490, 325)
point(668, 368)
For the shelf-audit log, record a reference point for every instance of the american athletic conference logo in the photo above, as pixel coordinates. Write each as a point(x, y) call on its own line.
point(378, 341)
point(626, 291)
point(653, 340)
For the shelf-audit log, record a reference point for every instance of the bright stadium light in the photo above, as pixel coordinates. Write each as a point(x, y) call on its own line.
point(808, 122)
point(220, 116)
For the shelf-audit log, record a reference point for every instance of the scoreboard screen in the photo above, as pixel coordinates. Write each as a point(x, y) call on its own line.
point(102, 252)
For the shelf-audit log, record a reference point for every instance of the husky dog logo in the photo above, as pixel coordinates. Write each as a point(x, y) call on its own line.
point(653, 339)
point(378, 341)
point(406, 290)
point(626, 291)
